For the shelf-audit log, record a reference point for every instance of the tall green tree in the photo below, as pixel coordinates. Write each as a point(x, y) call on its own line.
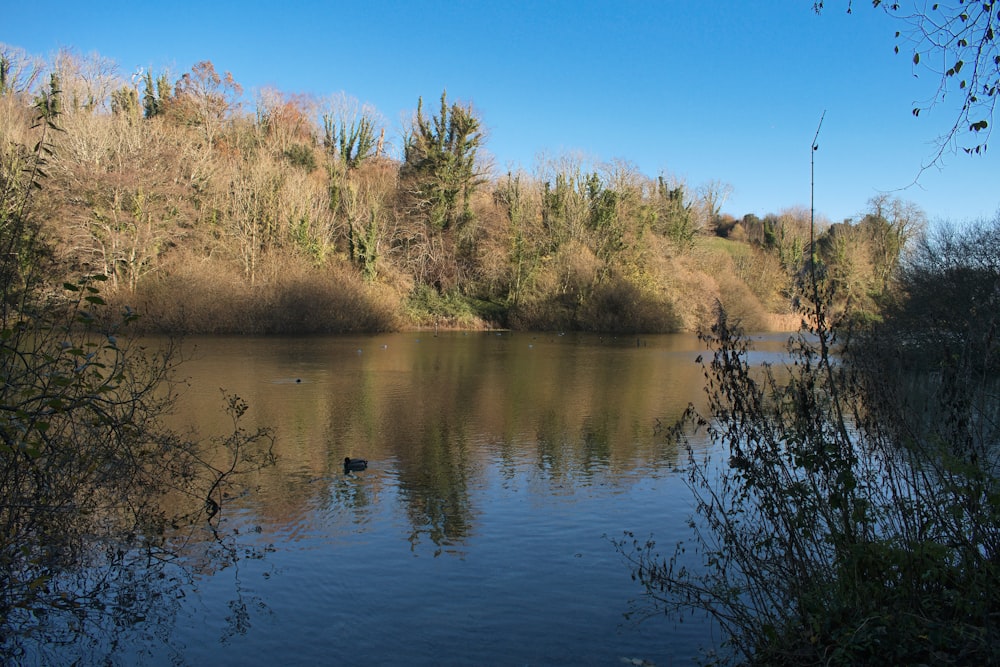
point(352, 142)
point(440, 172)
point(49, 101)
point(4, 73)
point(156, 94)
point(125, 102)
point(675, 219)
point(352, 132)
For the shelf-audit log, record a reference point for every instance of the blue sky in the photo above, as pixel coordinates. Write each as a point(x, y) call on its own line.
point(728, 91)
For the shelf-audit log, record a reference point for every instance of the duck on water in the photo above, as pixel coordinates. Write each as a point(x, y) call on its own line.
point(354, 464)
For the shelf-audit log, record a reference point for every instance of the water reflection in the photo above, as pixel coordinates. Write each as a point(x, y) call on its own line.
point(435, 410)
point(497, 464)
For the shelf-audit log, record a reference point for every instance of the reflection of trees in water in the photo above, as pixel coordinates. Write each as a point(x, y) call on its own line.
point(86, 613)
point(346, 492)
point(552, 442)
point(582, 446)
point(951, 407)
point(349, 498)
point(122, 605)
point(433, 481)
point(427, 412)
point(103, 559)
point(563, 405)
point(595, 441)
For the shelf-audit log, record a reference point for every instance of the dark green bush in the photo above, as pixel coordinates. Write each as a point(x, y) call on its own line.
point(302, 156)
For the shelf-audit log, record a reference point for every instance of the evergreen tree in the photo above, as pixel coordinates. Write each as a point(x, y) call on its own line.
point(49, 102)
point(4, 74)
point(125, 102)
point(439, 167)
point(156, 95)
point(352, 142)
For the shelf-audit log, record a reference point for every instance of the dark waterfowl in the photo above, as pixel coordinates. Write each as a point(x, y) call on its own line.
point(354, 464)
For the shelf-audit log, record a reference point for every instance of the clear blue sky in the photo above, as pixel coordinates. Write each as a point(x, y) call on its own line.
point(729, 91)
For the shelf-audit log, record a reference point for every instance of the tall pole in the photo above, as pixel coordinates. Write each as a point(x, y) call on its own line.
point(812, 199)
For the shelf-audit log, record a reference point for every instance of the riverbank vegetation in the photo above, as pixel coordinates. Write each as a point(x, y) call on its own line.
point(209, 213)
point(854, 514)
point(98, 498)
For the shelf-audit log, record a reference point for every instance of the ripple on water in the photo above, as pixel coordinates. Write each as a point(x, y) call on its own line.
point(481, 532)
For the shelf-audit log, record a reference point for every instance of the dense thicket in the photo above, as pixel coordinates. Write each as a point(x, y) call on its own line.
point(300, 216)
point(945, 312)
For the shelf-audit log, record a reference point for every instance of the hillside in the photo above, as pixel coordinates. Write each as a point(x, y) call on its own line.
point(299, 217)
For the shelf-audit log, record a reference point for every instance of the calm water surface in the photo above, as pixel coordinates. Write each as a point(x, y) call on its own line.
point(501, 465)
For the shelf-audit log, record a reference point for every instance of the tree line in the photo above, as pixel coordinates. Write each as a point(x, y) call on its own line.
point(301, 215)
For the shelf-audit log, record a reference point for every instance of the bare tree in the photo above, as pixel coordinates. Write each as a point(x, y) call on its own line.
point(117, 181)
point(18, 70)
point(286, 119)
point(956, 42)
point(86, 81)
point(253, 213)
point(205, 98)
point(713, 196)
point(891, 224)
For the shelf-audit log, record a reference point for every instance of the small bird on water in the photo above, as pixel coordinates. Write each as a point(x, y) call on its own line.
point(354, 464)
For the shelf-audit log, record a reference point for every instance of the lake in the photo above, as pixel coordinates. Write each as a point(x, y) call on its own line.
point(501, 466)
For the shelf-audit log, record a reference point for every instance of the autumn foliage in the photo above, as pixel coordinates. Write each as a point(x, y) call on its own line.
point(212, 212)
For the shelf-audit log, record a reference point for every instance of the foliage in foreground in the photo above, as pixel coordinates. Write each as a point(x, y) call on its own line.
point(844, 524)
point(98, 497)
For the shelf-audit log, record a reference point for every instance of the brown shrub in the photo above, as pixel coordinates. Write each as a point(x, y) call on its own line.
point(552, 312)
point(211, 297)
point(690, 284)
point(619, 306)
